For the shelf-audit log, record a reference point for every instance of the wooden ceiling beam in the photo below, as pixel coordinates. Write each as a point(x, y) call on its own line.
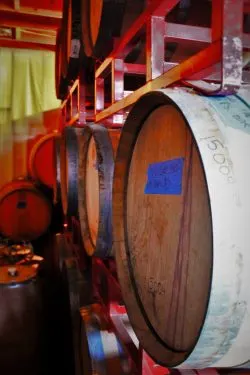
point(15, 6)
point(19, 19)
point(11, 43)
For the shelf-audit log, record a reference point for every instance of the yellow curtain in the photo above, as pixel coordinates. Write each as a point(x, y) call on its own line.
point(27, 89)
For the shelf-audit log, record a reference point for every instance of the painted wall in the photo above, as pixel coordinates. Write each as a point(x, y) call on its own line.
point(29, 108)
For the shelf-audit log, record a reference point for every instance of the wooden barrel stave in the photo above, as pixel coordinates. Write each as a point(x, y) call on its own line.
point(96, 165)
point(24, 211)
point(69, 170)
point(228, 300)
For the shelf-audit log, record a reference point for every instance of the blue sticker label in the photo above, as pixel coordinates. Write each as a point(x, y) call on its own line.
point(165, 177)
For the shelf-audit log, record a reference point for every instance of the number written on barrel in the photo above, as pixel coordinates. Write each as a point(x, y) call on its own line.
point(217, 150)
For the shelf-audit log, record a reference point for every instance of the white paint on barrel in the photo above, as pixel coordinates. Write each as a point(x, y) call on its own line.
point(225, 152)
point(225, 337)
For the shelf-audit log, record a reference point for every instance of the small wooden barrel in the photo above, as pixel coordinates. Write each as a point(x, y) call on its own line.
point(69, 170)
point(95, 179)
point(181, 213)
point(25, 213)
point(103, 20)
point(20, 320)
point(42, 160)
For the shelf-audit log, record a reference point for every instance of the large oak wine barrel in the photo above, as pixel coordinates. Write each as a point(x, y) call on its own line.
point(41, 161)
point(20, 321)
point(69, 170)
point(104, 20)
point(71, 39)
point(181, 213)
point(25, 213)
point(95, 179)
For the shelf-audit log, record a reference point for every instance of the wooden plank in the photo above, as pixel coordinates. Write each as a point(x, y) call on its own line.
point(11, 43)
point(19, 19)
point(30, 10)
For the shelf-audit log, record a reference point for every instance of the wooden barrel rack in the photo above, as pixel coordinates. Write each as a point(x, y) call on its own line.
point(172, 271)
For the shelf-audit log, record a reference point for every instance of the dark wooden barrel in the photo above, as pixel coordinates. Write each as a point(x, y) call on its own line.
point(95, 179)
point(69, 170)
point(61, 83)
point(71, 39)
point(104, 20)
point(20, 321)
point(181, 184)
point(74, 287)
point(60, 252)
point(57, 166)
point(41, 161)
point(25, 213)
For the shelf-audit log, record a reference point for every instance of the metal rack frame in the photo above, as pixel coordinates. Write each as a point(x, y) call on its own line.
point(220, 61)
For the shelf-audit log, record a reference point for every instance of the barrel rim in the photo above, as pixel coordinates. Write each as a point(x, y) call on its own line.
point(138, 115)
point(31, 187)
point(69, 155)
point(104, 151)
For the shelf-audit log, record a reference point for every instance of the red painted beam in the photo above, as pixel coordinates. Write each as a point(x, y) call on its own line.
point(11, 43)
point(19, 19)
point(246, 6)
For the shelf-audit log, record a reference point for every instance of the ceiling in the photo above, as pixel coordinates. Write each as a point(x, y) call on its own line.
point(29, 24)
